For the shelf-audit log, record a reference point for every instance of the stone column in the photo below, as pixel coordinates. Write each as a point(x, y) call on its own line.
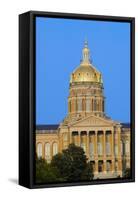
point(104, 145)
point(119, 142)
point(88, 151)
point(101, 105)
point(104, 151)
point(113, 166)
point(113, 145)
point(113, 152)
point(79, 138)
point(119, 152)
point(96, 155)
point(95, 146)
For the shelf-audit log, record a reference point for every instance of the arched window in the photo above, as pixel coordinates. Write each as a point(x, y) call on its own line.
point(100, 151)
point(55, 148)
point(88, 105)
point(91, 149)
point(47, 151)
point(79, 104)
point(39, 150)
point(108, 148)
point(127, 147)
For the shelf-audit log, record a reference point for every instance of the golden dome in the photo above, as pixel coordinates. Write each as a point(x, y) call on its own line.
point(86, 72)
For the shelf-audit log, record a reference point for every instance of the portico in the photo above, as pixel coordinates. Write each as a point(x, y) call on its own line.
point(98, 145)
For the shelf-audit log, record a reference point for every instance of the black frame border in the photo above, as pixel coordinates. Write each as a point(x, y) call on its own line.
point(27, 96)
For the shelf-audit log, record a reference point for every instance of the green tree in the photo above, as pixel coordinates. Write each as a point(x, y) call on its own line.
point(72, 164)
point(87, 173)
point(127, 173)
point(45, 173)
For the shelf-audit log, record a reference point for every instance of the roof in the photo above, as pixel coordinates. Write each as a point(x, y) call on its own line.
point(55, 126)
point(47, 127)
point(125, 125)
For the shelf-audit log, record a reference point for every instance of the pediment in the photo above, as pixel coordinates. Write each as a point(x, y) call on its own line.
point(93, 121)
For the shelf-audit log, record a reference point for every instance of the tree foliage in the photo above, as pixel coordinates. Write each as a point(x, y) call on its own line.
point(127, 173)
point(72, 164)
point(45, 173)
point(87, 173)
point(69, 166)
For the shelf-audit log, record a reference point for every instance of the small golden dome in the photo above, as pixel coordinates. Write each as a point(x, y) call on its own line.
point(86, 72)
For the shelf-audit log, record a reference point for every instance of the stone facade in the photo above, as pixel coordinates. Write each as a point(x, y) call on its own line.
point(106, 142)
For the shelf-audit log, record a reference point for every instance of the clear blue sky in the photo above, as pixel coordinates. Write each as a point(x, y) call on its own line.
point(59, 44)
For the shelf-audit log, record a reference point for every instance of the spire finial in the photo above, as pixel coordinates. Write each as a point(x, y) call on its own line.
point(86, 53)
point(86, 43)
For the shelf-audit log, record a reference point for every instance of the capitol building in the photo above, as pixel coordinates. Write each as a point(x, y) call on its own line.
point(106, 142)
